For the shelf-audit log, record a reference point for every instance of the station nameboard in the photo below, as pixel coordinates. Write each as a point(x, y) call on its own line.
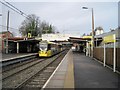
point(109, 39)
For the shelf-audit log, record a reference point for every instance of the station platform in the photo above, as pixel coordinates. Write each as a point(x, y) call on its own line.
point(78, 71)
point(6, 57)
point(63, 76)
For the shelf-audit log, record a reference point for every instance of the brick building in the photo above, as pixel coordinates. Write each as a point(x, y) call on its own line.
point(3, 36)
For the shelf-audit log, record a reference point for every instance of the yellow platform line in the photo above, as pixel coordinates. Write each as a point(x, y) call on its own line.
point(69, 78)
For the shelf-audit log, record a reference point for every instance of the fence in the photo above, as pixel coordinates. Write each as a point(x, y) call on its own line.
point(99, 55)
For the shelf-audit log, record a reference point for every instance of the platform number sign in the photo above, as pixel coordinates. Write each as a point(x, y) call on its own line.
point(29, 35)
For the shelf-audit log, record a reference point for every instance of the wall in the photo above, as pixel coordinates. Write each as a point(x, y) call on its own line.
point(99, 55)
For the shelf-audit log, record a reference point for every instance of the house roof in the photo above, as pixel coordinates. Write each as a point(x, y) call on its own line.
point(109, 33)
point(22, 39)
point(3, 32)
point(18, 38)
point(98, 28)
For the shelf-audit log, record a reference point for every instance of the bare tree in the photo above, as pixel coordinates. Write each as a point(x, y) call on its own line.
point(47, 28)
point(30, 25)
point(33, 26)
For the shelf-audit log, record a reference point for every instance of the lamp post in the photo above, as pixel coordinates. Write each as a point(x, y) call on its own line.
point(92, 28)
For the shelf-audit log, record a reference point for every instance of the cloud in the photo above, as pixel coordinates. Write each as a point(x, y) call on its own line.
point(69, 16)
point(64, 0)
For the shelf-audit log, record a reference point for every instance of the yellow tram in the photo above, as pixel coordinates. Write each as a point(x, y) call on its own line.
point(47, 49)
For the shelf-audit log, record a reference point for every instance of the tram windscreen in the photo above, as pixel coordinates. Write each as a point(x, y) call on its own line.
point(43, 46)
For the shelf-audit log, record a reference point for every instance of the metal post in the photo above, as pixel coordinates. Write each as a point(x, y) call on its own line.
point(104, 55)
point(92, 33)
point(114, 57)
point(17, 47)
point(7, 32)
point(92, 39)
point(96, 42)
point(86, 48)
point(89, 50)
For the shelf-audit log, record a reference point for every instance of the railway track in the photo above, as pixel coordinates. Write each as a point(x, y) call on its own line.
point(9, 67)
point(38, 80)
point(19, 68)
point(17, 60)
point(18, 78)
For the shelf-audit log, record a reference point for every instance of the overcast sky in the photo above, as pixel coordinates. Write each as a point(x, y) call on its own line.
point(67, 17)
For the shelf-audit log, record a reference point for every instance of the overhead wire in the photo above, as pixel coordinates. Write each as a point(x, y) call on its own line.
point(12, 7)
point(7, 4)
point(22, 13)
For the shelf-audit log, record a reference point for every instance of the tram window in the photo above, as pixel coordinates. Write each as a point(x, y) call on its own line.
point(53, 47)
point(43, 47)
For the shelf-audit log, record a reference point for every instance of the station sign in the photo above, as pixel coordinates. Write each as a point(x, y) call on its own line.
point(29, 35)
point(109, 39)
point(87, 37)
